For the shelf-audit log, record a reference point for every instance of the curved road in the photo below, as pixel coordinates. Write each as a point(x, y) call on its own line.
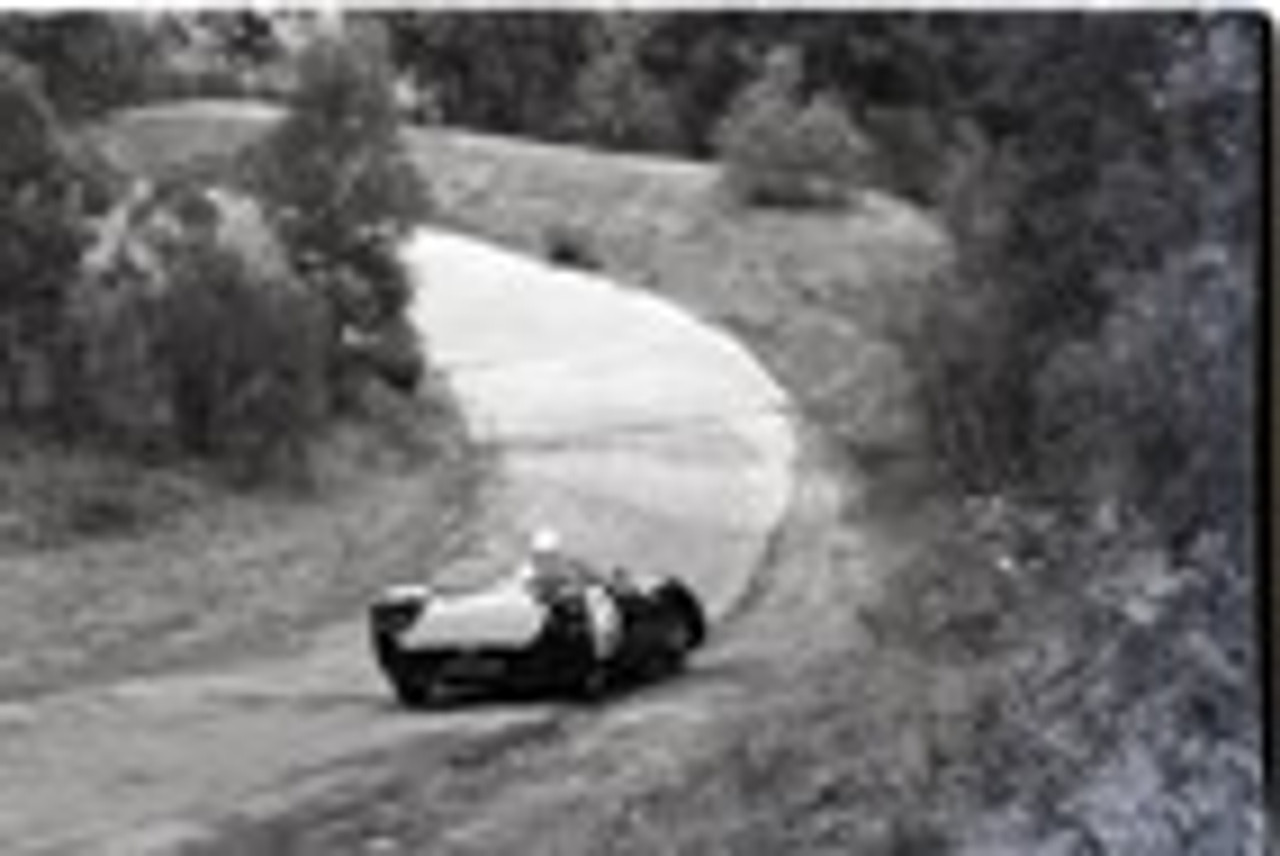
point(648, 438)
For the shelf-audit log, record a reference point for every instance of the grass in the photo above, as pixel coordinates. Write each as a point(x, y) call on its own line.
point(984, 679)
point(112, 565)
point(814, 295)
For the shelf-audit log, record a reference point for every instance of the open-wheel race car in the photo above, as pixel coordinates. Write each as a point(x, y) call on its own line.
point(558, 628)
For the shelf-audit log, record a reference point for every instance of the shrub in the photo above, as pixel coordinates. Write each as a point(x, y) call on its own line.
point(780, 151)
point(45, 187)
point(193, 329)
point(242, 354)
point(571, 245)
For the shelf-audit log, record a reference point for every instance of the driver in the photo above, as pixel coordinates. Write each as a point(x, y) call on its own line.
point(554, 576)
point(548, 571)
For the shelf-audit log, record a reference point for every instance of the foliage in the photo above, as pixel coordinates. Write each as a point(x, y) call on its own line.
point(504, 71)
point(244, 361)
point(1154, 410)
point(342, 191)
point(90, 62)
point(186, 323)
point(40, 226)
point(47, 187)
point(778, 151)
point(336, 177)
point(1088, 207)
point(917, 151)
point(192, 328)
point(616, 102)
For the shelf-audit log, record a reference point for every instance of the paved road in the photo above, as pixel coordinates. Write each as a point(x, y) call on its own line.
point(648, 438)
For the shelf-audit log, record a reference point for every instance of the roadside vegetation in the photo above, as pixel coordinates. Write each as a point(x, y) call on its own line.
point(1009, 268)
point(193, 348)
point(1035, 379)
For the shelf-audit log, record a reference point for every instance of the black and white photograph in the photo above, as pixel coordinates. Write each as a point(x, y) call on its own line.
point(634, 430)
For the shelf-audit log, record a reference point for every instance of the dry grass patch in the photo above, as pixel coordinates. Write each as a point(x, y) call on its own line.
point(112, 566)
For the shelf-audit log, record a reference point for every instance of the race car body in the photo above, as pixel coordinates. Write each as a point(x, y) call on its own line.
point(518, 639)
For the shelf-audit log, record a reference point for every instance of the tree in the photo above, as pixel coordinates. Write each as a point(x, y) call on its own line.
point(501, 71)
point(616, 102)
point(46, 190)
point(335, 174)
point(779, 149)
point(90, 62)
point(339, 184)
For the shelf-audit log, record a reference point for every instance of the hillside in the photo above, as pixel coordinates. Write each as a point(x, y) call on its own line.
point(971, 679)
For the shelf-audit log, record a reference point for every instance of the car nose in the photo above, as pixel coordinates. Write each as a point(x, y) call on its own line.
point(392, 616)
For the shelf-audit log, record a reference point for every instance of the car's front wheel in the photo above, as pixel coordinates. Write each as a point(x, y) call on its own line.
point(684, 621)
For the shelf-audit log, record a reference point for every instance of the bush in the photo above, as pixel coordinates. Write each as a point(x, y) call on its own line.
point(243, 357)
point(572, 246)
point(193, 330)
point(778, 151)
point(45, 188)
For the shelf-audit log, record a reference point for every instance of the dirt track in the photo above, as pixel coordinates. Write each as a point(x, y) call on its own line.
point(650, 439)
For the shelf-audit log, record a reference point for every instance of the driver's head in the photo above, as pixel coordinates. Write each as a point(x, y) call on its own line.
point(544, 542)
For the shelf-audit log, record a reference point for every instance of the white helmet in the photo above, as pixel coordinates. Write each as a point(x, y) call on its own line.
point(544, 541)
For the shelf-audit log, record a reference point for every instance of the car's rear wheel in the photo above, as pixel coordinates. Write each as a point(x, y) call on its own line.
point(413, 677)
point(415, 680)
point(413, 692)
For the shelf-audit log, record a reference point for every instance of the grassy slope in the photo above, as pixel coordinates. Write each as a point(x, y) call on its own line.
point(183, 570)
point(964, 706)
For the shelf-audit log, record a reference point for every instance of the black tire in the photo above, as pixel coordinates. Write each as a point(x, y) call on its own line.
point(591, 687)
point(679, 626)
point(412, 692)
point(412, 677)
point(683, 615)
